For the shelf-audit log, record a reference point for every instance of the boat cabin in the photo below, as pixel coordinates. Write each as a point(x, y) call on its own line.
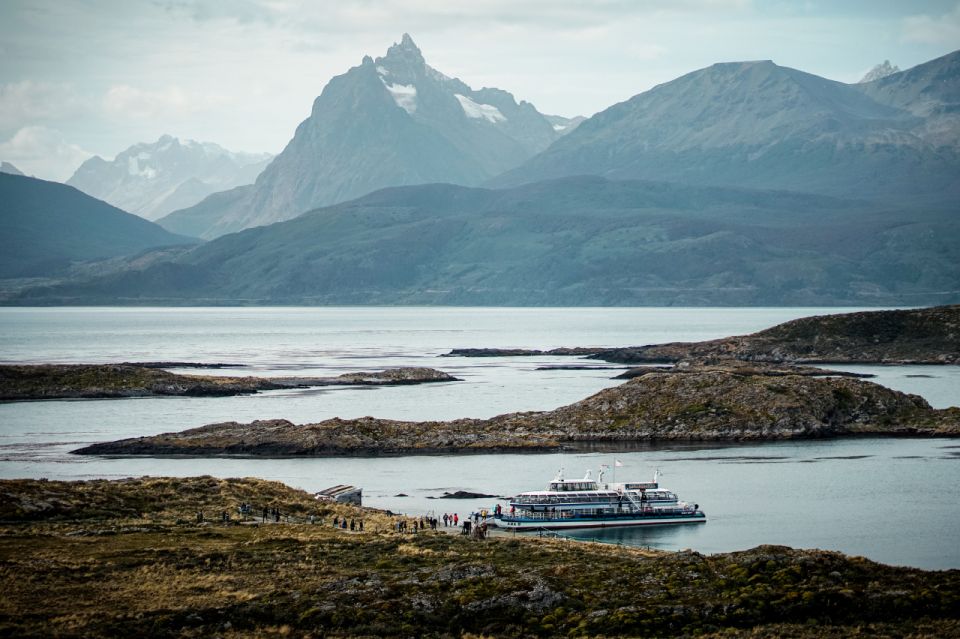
point(559, 484)
point(562, 485)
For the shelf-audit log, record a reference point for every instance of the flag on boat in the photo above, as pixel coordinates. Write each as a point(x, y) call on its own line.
point(618, 463)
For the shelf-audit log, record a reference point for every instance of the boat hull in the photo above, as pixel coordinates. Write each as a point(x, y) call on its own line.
point(521, 523)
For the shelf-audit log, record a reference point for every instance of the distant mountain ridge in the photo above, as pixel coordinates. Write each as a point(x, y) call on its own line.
point(47, 226)
point(6, 167)
point(573, 241)
point(931, 93)
point(760, 125)
point(388, 122)
point(154, 179)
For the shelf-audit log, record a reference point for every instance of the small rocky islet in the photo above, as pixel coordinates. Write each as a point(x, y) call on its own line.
point(107, 558)
point(89, 381)
point(683, 403)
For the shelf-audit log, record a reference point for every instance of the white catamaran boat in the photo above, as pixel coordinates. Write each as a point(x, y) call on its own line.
point(588, 503)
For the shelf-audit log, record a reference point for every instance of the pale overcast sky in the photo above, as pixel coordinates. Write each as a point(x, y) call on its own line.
point(83, 77)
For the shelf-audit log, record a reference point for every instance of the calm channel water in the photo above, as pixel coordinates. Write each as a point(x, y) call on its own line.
point(887, 499)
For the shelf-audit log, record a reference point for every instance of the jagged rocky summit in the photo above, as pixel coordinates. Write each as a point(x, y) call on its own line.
point(390, 121)
point(881, 70)
point(680, 404)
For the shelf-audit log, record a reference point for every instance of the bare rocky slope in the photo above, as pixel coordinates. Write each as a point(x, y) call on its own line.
point(68, 381)
point(915, 336)
point(692, 404)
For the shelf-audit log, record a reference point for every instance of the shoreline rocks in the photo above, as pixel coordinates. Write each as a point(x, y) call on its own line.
point(97, 381)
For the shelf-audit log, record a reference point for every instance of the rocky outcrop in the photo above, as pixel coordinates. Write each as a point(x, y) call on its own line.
point(70, 381)
point(916, 336)
point(680, 404)
point(464, 494)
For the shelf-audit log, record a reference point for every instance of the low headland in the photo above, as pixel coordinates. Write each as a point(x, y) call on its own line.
point(914, 336)
point(130, 558)
point(684, 403)
point(88, 381)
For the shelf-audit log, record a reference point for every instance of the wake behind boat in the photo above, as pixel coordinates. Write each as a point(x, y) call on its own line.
point(589, 503)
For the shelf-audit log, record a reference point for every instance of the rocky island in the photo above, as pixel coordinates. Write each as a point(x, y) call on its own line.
point(69, 381)
point(130, 558)
point(914, 336)
point(683, 403)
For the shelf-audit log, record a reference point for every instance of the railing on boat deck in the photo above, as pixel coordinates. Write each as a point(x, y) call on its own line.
point(648, 511)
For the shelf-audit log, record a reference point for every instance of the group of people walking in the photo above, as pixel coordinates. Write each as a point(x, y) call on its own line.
point(341, 523)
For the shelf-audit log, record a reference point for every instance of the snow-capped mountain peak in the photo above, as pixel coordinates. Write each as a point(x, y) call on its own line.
point(152, 179)
point(391, 121)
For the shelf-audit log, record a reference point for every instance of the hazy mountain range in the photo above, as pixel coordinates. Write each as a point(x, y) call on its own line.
point(46, 227)
point(153, 179)
point(388, 122)
point(573, 241)
point(760, 125)
point(743, 183)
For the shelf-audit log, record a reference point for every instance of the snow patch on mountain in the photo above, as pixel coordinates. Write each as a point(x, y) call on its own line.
point(133, 167)
point(405, 95)
point(478, 111)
